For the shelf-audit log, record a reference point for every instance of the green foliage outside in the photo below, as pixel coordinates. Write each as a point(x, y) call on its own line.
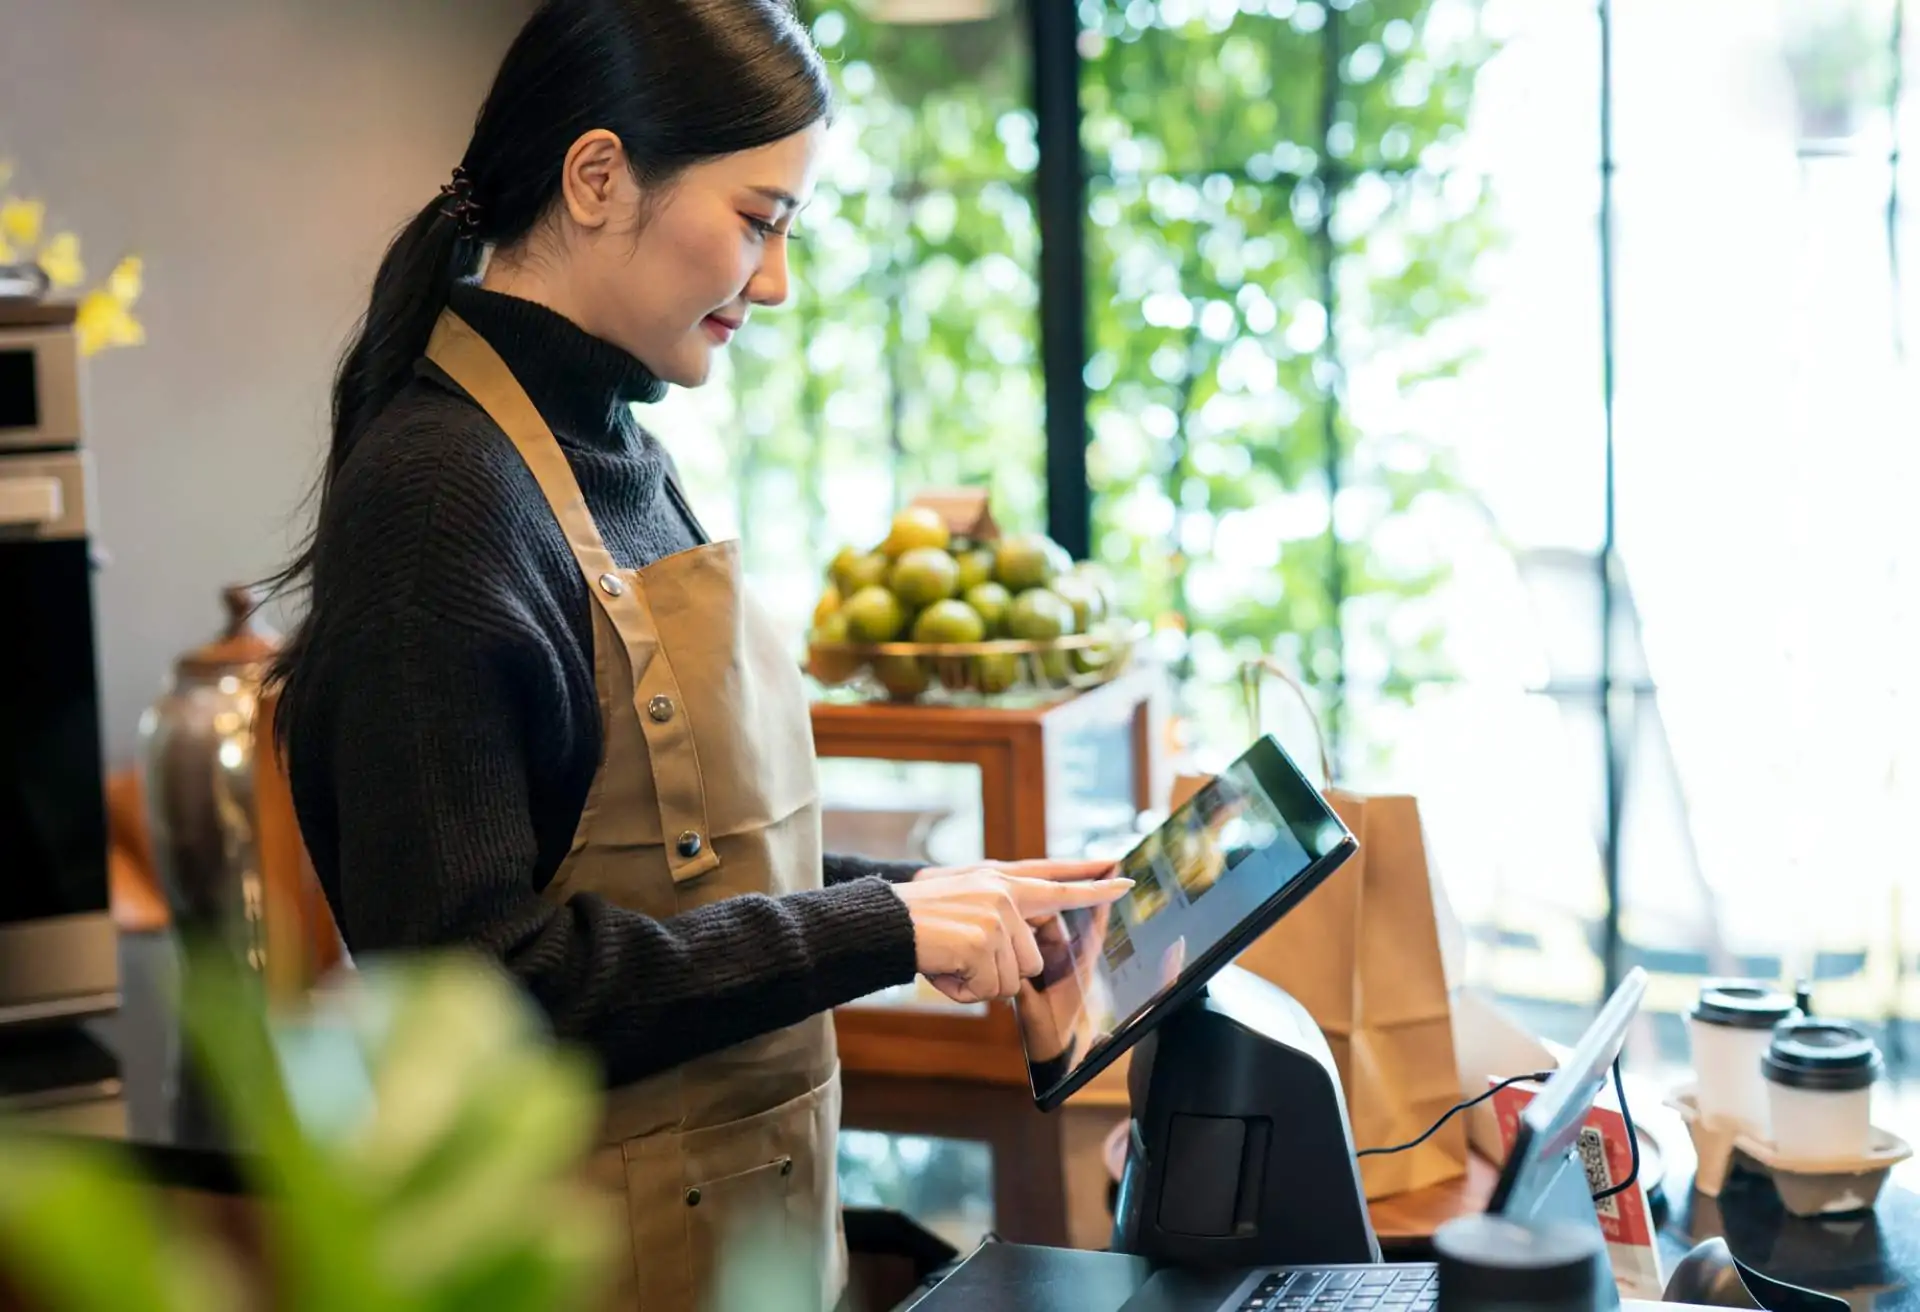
point(1251, 165)
point(1285, 225)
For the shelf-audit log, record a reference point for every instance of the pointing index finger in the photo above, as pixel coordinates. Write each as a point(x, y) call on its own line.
point(1042, 895)
point(1046, 868)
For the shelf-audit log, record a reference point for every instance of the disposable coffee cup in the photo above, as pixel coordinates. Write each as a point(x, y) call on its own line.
point(1819, 1077)
point(1729, 1030)
point(1491, 1264)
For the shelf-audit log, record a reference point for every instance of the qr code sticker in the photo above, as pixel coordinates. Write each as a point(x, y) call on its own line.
point(1593, 1156)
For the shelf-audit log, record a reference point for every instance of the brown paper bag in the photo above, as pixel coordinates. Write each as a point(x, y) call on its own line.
point(1363, 955)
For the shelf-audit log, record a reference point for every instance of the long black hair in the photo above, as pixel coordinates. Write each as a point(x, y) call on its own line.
point(678, 81)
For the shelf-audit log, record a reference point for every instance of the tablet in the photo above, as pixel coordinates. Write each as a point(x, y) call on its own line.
point(1233, 859)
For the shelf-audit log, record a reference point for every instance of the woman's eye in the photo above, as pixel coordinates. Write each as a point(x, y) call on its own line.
point(761, 226)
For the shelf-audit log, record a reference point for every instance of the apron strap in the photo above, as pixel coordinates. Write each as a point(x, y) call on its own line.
point(465, 357)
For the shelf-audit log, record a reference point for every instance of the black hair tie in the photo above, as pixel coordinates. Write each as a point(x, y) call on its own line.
point(458, 204)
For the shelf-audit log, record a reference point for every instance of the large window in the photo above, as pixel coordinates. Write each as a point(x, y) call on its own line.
point(1761, 443)
point(1348, 411)
point(1528, 376)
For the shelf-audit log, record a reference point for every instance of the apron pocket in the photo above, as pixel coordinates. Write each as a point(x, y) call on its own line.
point(754, 1200)
point(742, 1224)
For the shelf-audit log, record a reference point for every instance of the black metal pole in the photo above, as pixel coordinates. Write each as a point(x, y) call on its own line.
point(1609, 728)
point(1060, 197)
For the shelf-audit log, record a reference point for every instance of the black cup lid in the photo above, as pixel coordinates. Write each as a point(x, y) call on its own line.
point(1745, 1004)
point(1487, 1259)
point(1826, 1055)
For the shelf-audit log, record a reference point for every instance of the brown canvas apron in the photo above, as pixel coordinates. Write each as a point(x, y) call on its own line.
point(706, 790)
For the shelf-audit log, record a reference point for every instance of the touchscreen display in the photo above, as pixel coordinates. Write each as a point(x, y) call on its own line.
point(1223, 867)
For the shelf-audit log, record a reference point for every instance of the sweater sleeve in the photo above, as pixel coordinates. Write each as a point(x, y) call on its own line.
point(426, 737)
point(842, 868)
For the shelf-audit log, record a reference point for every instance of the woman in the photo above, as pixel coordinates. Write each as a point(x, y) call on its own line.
point(531, 708)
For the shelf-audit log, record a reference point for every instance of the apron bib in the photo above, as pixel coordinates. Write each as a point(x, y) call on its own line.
point(706, 790)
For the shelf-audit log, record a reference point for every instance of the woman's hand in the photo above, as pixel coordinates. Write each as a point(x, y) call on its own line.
point(1065, 871)
point(971, 933)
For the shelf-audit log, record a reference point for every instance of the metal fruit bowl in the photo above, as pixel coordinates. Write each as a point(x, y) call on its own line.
point(970, 671)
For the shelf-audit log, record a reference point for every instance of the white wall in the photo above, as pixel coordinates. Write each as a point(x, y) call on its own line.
point(259, 154)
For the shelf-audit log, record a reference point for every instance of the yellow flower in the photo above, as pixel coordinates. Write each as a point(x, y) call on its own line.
point(105, 321)
point(105, 314)
point(60, 259)
point(125, 280)
point(20, 220)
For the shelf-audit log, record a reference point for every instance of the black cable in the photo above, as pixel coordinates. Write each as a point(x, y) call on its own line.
point(1456, 1109)
point(1619, 1088)
point(1633, 1140)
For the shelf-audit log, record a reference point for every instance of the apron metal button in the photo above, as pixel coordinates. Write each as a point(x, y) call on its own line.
point(786, 1166)
point(693, 1198)
point(661, 709)
point(611, 585)
point(689, 845)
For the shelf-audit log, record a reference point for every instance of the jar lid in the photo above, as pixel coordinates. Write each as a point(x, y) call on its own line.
point(1825, 1055)
point(244, 643)
point(1745, 1004)
point(1489, 1259)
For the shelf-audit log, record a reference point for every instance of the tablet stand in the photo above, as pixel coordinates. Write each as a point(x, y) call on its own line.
point(1241, 1153)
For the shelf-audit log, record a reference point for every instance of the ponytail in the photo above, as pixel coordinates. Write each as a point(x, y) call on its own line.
point(409, 293)
point(416, 275)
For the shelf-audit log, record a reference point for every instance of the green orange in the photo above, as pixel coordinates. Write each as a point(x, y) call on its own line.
point(949, 621)
point(904, 677)
point(913, 528)
point(923, 576)
point(874, 615)
point(1039, 616)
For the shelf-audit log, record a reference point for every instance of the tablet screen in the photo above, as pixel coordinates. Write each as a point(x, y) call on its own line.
point(1224, 867)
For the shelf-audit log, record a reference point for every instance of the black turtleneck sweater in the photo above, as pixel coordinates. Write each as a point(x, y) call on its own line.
point(443, 727)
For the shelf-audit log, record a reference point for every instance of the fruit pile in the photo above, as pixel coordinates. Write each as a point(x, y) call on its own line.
point(979, 616)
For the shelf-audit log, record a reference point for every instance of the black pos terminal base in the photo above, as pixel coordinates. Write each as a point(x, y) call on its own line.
point(1241, 1153)
point(1241, 1186)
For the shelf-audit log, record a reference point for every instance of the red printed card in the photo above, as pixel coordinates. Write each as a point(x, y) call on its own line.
point(1625, 1219)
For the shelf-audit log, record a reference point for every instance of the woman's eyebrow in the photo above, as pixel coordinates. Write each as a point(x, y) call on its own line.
point(779, 197)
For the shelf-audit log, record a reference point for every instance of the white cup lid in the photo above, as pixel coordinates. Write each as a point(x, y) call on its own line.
point(1823, 1056)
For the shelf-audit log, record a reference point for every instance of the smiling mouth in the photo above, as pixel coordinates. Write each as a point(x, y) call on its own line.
point(720, 328)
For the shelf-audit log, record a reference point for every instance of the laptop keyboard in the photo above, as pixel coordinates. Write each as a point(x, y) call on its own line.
point(1350, 1289)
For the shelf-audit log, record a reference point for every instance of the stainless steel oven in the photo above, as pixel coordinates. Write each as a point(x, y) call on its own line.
point(39, 377)
point(58, 949)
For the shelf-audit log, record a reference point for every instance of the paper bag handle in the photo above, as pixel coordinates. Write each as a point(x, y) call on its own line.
point(1251, 682)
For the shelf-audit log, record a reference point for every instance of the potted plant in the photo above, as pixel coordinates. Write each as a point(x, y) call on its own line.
point(413, 1143)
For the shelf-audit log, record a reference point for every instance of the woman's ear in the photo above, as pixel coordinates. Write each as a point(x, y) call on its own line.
point(595, 183)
